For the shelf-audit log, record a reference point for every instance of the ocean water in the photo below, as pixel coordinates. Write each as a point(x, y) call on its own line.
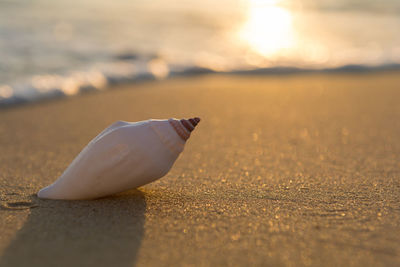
point(60, 48)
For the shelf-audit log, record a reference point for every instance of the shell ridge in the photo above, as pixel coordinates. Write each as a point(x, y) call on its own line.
point(166, 139)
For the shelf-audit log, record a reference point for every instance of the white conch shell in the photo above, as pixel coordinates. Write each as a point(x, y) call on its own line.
point(124, 156)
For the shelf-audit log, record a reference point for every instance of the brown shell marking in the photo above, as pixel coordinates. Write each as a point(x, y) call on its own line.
point(184, 127)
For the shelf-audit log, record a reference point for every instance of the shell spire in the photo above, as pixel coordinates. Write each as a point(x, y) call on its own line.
point(184, 127)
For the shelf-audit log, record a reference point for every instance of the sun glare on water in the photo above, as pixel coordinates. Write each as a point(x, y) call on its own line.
point(268, 28)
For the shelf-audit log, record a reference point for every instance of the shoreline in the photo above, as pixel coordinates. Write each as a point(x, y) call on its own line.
point(54, 86)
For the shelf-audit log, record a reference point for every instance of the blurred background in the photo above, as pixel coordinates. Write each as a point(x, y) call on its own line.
point(57, 48)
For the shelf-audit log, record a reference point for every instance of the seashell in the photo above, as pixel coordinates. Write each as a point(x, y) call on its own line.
point(124, 156)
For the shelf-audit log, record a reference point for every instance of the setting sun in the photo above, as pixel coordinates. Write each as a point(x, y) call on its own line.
point(268, 28)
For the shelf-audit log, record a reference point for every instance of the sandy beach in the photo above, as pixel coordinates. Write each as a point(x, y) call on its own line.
point(289, 170)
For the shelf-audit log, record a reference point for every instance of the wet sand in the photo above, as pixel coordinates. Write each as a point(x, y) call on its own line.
point(300, 170)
